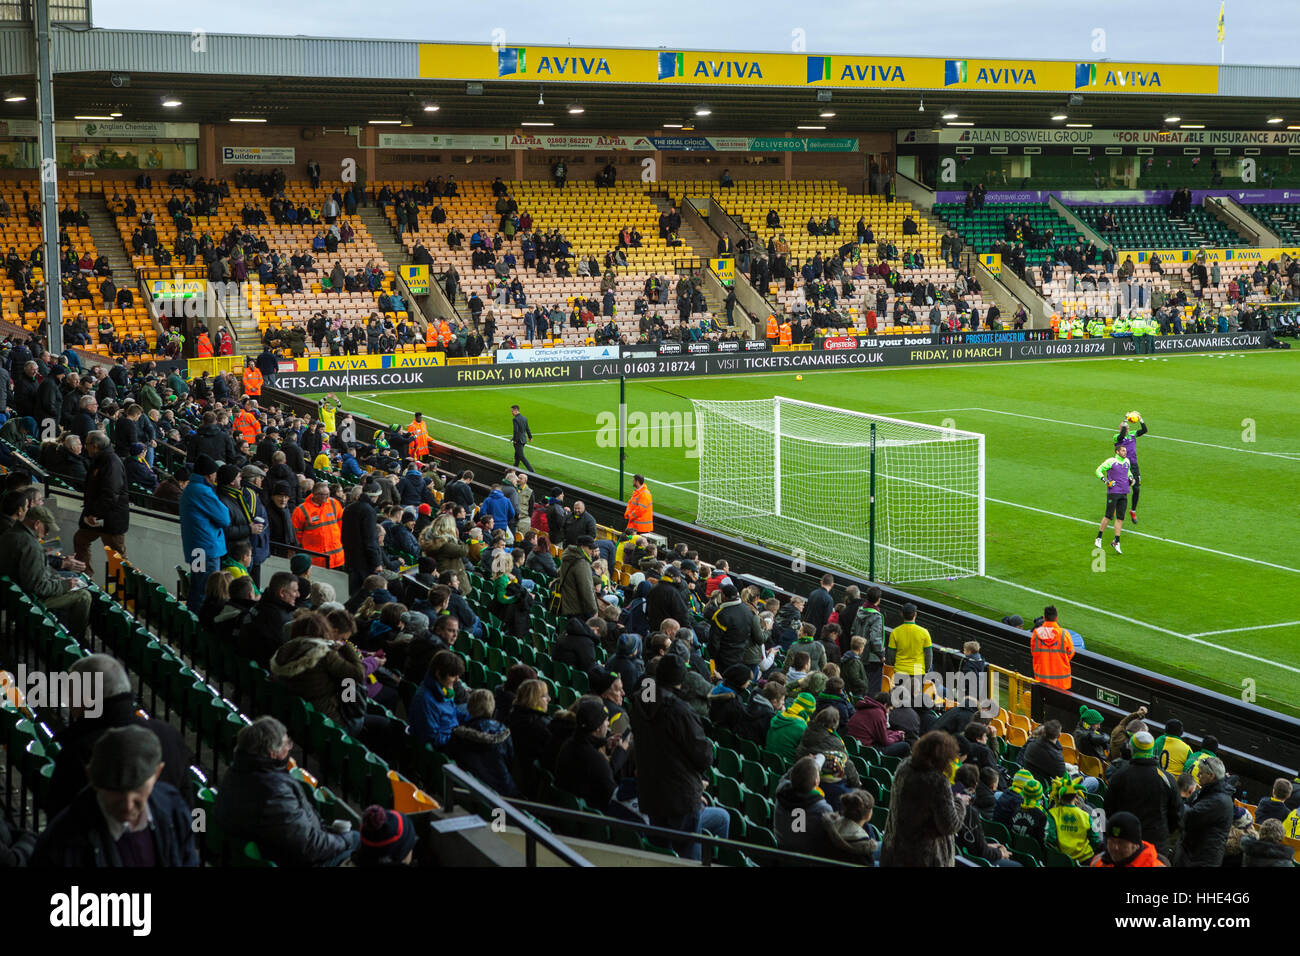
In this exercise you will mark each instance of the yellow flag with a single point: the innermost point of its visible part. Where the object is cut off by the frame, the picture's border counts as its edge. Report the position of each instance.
(1220, 21)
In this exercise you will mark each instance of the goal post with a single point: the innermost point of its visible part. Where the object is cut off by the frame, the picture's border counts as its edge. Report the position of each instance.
(889, 499)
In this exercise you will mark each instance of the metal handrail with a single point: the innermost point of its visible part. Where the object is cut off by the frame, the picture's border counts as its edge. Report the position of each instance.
(533, 832)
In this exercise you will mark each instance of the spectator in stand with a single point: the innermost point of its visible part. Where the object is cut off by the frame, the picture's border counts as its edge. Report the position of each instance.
(1269, 848)
(1124, 844)
(434, 713)
(106, 510)
(802, 810)
(924, 811)
(258, 800)
(1208, 818)
(1274, 806)
(127, 817)
(817, 609)
(911, 654)
(584, 764)
(1142, 788)
(1042, 755)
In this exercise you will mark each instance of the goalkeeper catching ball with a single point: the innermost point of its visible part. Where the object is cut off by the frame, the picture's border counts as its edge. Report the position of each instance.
(1127, 438)
(1114, 471)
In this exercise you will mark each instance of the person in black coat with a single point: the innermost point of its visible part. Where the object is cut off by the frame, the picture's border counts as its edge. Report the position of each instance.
(580, 524)
(1141, 787)
(672, 752)
(482, 745)
(1043, 757)
(576, 646)
(125, 765)
(530, 730)
(258, 800)
(557, 517)
(49, 398)
(460, 491)
(77, 740)
(106, 511)
(665, 600)
(279, 515)
(820, 604)
(1207, 819)
(264, 632)
(582, 767)
(360, 532)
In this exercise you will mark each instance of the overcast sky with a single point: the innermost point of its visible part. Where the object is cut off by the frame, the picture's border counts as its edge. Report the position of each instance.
(1257, 32)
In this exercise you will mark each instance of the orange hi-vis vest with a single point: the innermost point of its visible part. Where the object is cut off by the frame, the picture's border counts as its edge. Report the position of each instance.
(205, 346)
(252, 381)
(1052, 651)
(320, 528)
(1056, 324)
(771, 327)
(640, 512)
(247, 426)
(787, 333)
(444, 333)
(420, 433)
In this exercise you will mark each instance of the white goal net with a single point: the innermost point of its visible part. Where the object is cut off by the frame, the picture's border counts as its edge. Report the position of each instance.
(799, 476)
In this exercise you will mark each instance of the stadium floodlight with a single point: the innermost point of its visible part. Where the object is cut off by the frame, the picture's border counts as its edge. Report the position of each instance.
(810, 126)
(908, 497)
(1172, 119)
(1274, 120)
(703, 111)
(577, 110)
(1192, 126)
(85, 116)
(1079, 125)
(386, 122)
(431, 107)
(116, 114)
(15, 98)
(827, 114)
(950, 115)
(1059, 117)
(672, 125)
(171, 102)
(955, 123)
(248, 119)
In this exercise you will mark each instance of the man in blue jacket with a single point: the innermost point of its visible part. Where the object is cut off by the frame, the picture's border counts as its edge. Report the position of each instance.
(434, 713)
(499, 507)
(203, 522)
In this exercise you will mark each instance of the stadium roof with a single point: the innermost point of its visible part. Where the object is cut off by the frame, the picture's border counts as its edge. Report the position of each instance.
(308, 81)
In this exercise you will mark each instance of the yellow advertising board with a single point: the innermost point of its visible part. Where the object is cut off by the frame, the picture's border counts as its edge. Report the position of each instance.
(724, 268)
(416, 279)
(992, 261)
(349, 363)
(1240, 254)
(461, 61)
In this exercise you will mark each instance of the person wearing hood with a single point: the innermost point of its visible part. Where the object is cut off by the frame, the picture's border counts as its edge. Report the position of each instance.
(787, 727)
(411, 489)
(1142, 788)
(801, 809)
(667, 601)
(117, 708)
(673, 755)
(497, 506)
(870, 725)
(1029, 818)
(626, 661)
(258, 800)
(577, 645)
(850, 836)
(434, 713)
(482, 746)
(1124, 844)
(575, 583)
(729, 696)
(735, 635)
(315, 669)
(1268, 849)
(1208, 818)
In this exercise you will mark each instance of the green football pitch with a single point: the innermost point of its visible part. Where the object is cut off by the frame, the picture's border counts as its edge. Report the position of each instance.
(1206, 589)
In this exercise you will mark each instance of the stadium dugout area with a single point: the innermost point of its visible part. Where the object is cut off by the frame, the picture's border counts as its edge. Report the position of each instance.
(339, 637)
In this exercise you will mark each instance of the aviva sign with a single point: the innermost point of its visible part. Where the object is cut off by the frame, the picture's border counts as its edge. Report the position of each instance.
(705, 68)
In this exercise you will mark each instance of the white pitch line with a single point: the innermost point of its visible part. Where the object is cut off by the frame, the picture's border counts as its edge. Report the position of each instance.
(1153, 627)
(1288, 456)
(1238, 630)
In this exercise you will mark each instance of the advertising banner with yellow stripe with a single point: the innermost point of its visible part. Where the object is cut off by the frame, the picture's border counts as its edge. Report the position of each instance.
(1240, 254)
(347, 363)
(459, 61)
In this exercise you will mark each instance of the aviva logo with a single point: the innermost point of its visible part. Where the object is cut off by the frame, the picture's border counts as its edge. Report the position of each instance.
(671, 64)
(954, 72)
(674, 65)
(820, 68)
(511, 60)
(571, 65)
(1085, 74)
